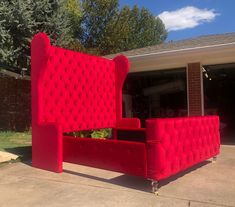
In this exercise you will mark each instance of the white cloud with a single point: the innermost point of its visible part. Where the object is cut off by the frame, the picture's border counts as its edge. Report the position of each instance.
(187, 17)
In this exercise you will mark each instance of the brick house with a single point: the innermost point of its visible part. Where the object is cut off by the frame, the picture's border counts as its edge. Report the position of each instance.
(193, 77)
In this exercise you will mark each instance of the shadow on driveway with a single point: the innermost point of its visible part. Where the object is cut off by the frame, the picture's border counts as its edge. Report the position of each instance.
(137, 183)
(128, 181)
(25, 153)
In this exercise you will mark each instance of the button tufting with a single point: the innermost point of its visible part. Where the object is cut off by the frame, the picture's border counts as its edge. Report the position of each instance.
(79, 90)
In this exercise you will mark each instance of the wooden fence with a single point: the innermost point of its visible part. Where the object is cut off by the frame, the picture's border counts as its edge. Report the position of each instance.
(15, 107)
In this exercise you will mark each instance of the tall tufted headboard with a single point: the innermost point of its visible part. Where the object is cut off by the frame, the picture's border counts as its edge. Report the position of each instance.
(75, 90)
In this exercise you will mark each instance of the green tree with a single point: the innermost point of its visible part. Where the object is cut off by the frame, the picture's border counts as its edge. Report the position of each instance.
(117, 33)
(73, 8)
(106, 29)
(145, 29)
(6, 42)
(19, 25)
(94, 26)
(96, 15)
(22, 19)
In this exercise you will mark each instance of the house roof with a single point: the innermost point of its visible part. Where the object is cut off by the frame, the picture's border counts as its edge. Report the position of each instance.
(201, 41)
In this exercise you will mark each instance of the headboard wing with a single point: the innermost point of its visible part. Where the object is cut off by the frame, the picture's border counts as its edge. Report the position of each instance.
(76, 90)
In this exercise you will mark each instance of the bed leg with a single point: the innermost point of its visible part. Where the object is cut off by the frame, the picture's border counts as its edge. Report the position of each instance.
(154, 184)
(214, 159)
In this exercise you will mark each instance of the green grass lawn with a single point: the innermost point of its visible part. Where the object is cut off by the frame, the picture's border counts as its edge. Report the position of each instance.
(18, 143)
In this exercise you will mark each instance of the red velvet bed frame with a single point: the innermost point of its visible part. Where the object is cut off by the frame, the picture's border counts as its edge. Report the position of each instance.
(72, 91)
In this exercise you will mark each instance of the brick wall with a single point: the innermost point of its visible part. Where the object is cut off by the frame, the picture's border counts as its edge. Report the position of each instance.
(194, 75)
(15, 107)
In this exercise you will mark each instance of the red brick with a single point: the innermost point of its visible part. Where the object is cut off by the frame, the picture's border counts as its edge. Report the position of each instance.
(194, 89)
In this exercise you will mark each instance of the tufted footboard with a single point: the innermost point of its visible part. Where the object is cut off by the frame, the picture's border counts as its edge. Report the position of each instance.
(175, 144)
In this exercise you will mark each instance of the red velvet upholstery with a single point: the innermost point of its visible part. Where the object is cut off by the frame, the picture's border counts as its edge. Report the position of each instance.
(47, 147)
(73, 91)
(76, 90)
(128, 123)
(174, 144)
(121, 156)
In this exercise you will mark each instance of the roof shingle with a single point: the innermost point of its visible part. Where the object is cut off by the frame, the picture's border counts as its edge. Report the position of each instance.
(201, 41)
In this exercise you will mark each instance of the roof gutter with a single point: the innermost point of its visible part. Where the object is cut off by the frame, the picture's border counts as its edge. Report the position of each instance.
(226, 45)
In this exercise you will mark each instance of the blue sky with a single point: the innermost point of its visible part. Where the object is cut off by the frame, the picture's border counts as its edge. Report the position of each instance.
(191, 18)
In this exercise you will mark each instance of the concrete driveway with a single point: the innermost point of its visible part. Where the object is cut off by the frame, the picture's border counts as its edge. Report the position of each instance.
(208, 185)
